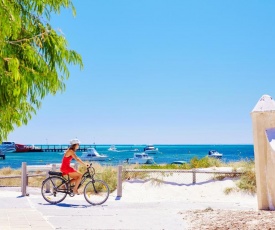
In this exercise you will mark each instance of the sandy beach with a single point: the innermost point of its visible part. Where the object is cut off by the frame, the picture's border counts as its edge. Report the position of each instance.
(172, 204)
(209, 206)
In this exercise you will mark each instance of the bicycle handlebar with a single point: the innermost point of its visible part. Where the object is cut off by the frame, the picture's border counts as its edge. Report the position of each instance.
(90, 168)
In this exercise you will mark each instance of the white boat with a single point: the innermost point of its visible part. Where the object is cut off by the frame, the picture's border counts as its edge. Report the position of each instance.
(92, 155)
(179, 162)
(150, 149)
(134, 149)
(214, 154)
(7, 146)
(140, 158)
(112, 148)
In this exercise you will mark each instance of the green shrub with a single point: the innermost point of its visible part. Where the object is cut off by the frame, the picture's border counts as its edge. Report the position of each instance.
(247, 180)
(105, 173)
(195, 162)
(204, 162)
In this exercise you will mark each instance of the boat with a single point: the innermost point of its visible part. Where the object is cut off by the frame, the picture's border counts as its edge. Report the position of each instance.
(214, 154)
(19, 148)
(179, 162)
(112, 148)
(150, 149)
(7, 146)
(133, 149)
(92, 155)
(140, 158)
(2, 155)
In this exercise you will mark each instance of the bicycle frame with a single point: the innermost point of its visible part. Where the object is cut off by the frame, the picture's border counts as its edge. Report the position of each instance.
(66, 178)
(56, 187)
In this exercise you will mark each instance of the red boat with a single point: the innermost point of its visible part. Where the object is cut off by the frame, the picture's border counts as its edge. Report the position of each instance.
(27, 148)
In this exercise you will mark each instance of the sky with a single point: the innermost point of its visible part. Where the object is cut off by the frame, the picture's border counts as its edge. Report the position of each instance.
(160, 72)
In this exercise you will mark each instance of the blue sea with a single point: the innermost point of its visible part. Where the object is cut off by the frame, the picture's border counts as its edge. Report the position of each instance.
(167, 154)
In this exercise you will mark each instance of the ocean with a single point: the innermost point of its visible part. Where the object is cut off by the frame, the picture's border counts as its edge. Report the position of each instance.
(167, 154)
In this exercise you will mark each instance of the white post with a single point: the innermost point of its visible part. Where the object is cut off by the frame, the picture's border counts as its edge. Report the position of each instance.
(263, 118)
(24, 179)
(119, 181)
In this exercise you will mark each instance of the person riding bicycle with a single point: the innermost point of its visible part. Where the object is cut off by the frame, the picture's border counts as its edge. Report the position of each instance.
(66, 169)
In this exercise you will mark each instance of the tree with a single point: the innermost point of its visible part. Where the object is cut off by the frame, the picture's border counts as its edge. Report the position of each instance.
(34, 59)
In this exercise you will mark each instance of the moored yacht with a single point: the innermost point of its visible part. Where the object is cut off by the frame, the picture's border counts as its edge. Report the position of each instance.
(150, 149)
(7, 146)
(112, 148)
(140, 158)
(27, 148)
(92, 155)
(214, 154)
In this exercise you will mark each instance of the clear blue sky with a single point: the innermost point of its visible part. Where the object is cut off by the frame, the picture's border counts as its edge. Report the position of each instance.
(161, 72)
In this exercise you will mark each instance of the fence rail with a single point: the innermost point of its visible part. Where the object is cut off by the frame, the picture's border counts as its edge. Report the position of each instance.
(121, 172)
(25, 175)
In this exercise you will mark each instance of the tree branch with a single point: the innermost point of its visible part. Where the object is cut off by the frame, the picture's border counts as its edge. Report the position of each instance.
(28, 39)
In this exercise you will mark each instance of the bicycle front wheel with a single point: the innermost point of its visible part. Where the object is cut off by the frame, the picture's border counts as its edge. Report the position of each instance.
(54, 189)
(96, 192)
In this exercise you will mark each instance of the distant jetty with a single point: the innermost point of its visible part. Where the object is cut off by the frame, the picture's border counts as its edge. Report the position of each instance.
(62, 148)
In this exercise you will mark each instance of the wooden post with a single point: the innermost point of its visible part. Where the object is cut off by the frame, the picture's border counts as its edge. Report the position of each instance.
(24, 179)
(263, 118)
(194, 176)
(48, 186)
(119, 181)
(76, 166)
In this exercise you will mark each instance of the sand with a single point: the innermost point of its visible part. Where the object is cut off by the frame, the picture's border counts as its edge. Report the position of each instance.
(203, 205)
(237, 210)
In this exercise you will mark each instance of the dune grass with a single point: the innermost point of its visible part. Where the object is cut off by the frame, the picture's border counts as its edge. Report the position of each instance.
(7, 171)
(15, 182)
(246, 182)
(106, 173)
(195, 162)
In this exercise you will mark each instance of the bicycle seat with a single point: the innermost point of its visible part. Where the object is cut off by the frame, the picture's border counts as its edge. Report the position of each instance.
(55, 173)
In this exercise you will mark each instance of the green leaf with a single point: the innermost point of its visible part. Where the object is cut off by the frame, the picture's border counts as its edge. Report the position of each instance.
(34, 59)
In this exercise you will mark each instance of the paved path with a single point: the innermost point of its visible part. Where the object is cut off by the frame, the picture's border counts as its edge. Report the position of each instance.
(33, 212)
(18, 212)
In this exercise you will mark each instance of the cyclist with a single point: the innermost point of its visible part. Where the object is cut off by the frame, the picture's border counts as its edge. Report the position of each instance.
(67, 169)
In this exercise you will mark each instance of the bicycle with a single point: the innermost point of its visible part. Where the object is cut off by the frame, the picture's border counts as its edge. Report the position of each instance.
(56, 187)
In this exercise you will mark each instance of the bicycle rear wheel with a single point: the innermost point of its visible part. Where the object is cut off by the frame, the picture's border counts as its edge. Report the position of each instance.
(54, 189)
(96, 192)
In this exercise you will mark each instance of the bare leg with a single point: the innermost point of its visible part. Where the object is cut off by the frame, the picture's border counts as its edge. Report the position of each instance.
(72, 181)
(76, 178)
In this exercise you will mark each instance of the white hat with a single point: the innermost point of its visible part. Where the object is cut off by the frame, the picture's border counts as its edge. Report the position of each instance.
(74, 141)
